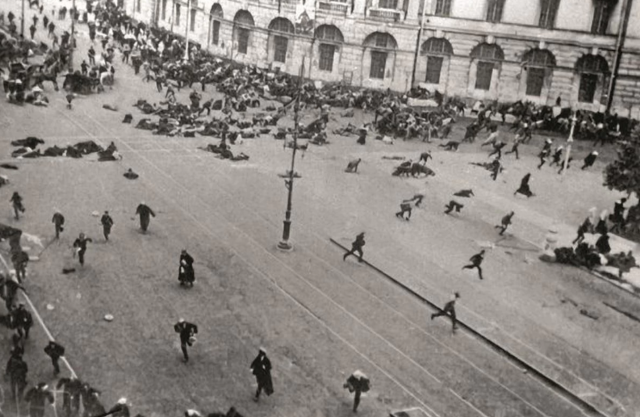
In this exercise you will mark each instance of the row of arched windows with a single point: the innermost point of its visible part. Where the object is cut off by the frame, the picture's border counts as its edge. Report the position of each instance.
(487, 57)
(538, 64)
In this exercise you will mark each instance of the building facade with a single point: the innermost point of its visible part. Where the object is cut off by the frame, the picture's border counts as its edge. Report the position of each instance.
(505, 50)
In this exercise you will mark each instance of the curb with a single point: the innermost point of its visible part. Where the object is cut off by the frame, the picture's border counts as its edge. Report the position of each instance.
(584, 405)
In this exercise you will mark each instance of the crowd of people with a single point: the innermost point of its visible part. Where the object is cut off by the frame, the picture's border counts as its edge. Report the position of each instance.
(158, 56)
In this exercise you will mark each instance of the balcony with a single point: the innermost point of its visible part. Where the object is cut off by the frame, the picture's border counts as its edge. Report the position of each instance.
(386, 14)
(334, 7)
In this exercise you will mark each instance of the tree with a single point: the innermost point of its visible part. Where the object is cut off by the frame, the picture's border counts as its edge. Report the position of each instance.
(623, 175)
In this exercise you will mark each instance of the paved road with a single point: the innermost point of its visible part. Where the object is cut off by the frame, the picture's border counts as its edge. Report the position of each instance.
(319, 317)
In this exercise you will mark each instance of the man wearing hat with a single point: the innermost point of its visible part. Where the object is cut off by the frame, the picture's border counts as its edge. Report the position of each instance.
(261, 368)
(37, 397)
(589, 160)
(121, 409)
(80, 245)
(58, 222)
(107, 223)
(17, 370)
(23, 320)
(145, 214)
(186, 274)
(54, 351)
(187, 333)
(359, 383)
(73, 390)
(449, 309)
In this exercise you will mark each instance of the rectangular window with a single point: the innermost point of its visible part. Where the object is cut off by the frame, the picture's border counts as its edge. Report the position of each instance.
(138, 5)
(177, 15)
(548, 11)
(434, 67)
(483, 75)
(588, 83)
(378, 64)
(192, 23)
(601, 15)
(281, 44)
(535, 81)
(164, 9)
(243, 40)
(443, 7)
(327, 53)
(388, 4)
(215, 32)
(494, 11)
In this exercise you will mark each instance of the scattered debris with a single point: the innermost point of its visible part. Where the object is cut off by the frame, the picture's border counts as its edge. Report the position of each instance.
(68, 270)
(108, 317)
(50, 307)
(591, 314)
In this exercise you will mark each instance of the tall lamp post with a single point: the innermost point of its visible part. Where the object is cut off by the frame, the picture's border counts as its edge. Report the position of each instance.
(285, 244)
(569, 142)
(186, 31)
(72, 40)
(22, 21)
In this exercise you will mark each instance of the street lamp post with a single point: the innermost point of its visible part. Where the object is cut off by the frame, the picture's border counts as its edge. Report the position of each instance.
(285, 244)
(186, 31)
(569, 142)
(72, 39)
(22, 21)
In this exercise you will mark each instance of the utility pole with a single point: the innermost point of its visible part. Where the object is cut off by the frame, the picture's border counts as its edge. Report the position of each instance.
(72, 39)
(284, 244)
(186, 31)
(569, 142)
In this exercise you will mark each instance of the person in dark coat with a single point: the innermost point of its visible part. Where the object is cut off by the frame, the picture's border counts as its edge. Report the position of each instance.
(16, 202)
(22, 320)
(145, 214)
(8, 290)
(453, 205)
(20, 260)
(55, 351)
(72, 391)
(37, 398)
(504, 224)
(261, 368)
(121, 409)
(58, 222)
(449, 309)
(17, 370)
(476, 261)
(187, 333)
(356, 246)
(81, 246)
(524, 188)
(589, 160)
(602, 244)
(107, 223)
(358, 383)
(186, 274)
(91, 401)
(585, 227)
(405, 207)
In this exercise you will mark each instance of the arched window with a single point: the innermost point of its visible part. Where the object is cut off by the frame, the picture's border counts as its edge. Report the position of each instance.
(330, 39)
(281, 42)
(242, 25)
(538, 64)
(437, 51)
(215, 20)
(548, 12)
(381, 44)
(489, 57)
(591, 68)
